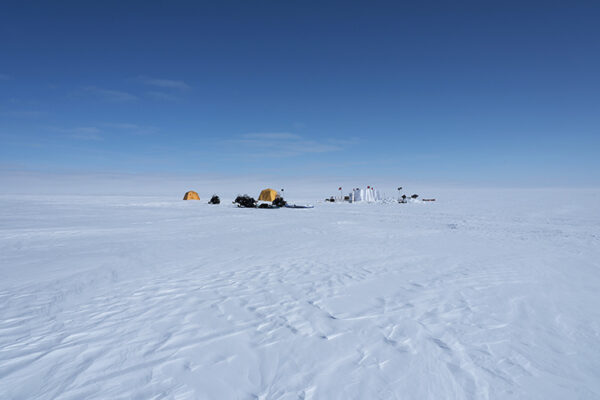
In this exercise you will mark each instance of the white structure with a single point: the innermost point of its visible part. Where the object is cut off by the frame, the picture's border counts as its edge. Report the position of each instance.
(369, 195)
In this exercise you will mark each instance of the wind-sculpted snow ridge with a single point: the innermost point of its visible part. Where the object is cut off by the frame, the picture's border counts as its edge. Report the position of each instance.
(123, 298)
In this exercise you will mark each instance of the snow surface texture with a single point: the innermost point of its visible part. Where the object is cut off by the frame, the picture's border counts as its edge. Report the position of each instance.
(478, 295)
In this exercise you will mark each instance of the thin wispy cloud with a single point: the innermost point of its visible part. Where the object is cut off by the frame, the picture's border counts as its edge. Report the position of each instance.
(81, 133)
(133, 129)
(164, 83)
(284, 144)
(272, 136)
(104, 131)
(110, 95)
(164, 89)
(122, 125)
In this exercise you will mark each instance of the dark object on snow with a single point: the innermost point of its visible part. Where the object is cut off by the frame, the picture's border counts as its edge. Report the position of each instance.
(267, 205)
(428, 199)
(245, 201)
(414, 196)
(279, 202)
(214, 200)
(346, 198)
(331, 199)
(403, 199)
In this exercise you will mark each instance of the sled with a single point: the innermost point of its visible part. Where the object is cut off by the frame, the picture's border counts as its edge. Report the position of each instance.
(299, 206)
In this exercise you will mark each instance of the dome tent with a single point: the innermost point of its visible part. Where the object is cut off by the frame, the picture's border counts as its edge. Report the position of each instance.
(267, 195)
(191, 195)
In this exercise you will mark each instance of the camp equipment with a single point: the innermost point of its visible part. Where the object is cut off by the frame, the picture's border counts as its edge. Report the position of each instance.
(245, 201)
(299, 206)
(279, 202)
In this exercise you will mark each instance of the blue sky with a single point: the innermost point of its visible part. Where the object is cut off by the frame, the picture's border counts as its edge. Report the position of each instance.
(469, 92)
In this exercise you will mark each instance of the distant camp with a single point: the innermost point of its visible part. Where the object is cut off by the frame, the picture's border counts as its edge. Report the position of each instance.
(191, 195)
(270, 198)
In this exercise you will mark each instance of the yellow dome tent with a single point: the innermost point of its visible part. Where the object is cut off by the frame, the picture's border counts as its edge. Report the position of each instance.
(267, 195)
(191, 195)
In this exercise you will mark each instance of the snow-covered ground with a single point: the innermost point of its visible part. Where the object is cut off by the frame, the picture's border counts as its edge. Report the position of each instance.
(482, 294)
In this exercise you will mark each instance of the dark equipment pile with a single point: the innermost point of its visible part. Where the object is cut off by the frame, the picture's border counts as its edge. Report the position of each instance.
(245, 201)
(279, 202)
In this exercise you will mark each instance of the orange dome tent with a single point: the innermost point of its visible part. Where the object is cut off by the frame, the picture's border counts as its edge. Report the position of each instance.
(267, 195)
(191, 195)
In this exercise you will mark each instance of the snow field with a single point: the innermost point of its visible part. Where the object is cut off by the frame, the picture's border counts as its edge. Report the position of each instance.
(152, 298)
